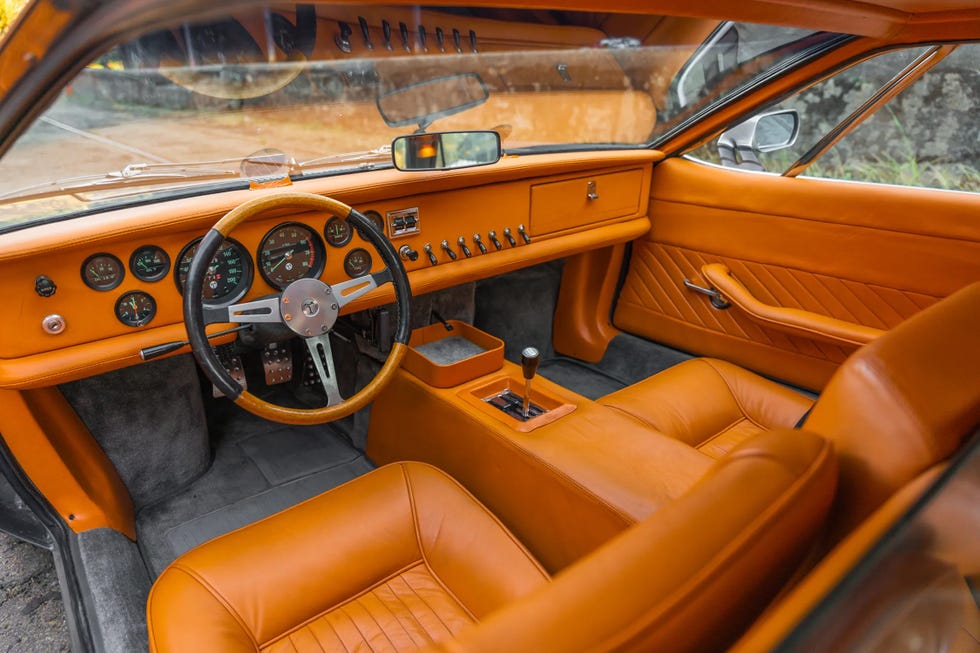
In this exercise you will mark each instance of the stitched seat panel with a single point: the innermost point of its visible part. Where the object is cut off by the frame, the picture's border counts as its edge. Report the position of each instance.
(404, 613)
(720, 444)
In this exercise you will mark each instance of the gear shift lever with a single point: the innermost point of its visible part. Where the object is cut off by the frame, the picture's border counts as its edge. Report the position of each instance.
(530, 357)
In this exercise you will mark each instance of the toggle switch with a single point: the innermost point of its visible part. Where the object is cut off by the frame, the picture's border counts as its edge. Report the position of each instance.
(479, 243)
(509, 237)
(523, 232)
(462, 246)
(493, 239)
(449, 250)
(432, 257)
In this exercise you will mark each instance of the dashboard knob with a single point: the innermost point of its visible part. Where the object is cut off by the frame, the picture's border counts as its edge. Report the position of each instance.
(407, 253)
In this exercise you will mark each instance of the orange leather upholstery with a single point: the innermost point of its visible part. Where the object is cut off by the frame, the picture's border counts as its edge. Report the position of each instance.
(396, 559)
(402, 557)
(901, 404)
(710, 404)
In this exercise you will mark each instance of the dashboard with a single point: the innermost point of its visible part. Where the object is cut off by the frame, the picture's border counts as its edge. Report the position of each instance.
(86, 295)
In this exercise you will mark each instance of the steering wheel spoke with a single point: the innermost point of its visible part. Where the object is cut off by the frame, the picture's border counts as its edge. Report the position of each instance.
(348, 291)
(259, 310)
(321, 352)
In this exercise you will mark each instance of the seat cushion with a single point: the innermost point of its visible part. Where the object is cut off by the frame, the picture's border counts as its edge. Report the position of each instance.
(394, 560)
(710, 404)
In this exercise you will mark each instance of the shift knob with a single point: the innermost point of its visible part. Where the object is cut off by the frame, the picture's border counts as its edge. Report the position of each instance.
(530, 357)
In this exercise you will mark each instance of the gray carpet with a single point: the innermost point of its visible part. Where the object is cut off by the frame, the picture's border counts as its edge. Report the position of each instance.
(259, 469)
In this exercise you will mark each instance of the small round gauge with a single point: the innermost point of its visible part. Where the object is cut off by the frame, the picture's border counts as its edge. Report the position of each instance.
(376, 218)
(289, 252)
(135, 308)
(102, 272)
(338, 232)
(149, 263)
(357, 262)
(228, 277)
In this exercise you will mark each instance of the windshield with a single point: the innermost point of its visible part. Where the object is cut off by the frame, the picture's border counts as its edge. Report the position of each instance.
(325, 89)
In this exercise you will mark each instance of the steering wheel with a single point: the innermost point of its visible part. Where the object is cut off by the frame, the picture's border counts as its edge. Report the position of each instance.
(307, 307)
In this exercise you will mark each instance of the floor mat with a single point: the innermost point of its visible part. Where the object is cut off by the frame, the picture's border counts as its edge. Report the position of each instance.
(270, 468)
(579, 377)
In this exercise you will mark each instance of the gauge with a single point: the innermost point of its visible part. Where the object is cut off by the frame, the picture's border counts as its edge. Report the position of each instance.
(102, 272)
(149, 263)
(338, 232)
(357, 262)
(376, 218)
(289, 252)
(135, 308)
(227, 278)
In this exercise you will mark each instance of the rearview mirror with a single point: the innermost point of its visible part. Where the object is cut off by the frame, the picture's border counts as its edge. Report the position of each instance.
(420, 104)
(444, 150)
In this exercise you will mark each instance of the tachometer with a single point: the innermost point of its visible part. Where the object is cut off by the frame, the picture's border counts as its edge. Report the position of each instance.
(227, 278)
(135, 308)
(289, 252)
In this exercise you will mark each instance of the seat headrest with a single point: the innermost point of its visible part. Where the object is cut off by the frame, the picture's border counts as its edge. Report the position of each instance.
(902, 403)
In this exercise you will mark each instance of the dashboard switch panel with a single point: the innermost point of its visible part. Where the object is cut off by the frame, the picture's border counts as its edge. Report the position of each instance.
(403, 222)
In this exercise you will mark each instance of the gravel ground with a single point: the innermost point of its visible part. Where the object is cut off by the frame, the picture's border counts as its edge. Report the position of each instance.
(32, 618)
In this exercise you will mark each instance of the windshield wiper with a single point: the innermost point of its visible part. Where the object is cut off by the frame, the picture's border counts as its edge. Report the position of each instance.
(134, 174)
(363, 158)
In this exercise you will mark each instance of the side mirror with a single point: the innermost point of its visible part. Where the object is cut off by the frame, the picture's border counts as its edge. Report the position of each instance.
(445, 150)
(766, 132)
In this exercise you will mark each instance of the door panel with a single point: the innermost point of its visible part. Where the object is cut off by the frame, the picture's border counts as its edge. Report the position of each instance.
(871, 255)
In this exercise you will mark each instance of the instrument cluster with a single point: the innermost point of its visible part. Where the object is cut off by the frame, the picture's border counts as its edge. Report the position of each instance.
(286, 253)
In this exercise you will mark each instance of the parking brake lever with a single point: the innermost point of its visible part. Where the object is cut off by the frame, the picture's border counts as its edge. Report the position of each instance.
(530, 357)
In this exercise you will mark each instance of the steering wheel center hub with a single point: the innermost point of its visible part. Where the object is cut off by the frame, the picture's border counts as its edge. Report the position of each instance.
(309, 307)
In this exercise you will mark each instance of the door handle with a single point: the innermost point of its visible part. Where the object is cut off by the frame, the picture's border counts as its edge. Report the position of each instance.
(714, 296)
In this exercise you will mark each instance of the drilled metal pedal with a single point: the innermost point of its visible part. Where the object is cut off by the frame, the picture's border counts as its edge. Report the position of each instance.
(277, 363)
(233, 365)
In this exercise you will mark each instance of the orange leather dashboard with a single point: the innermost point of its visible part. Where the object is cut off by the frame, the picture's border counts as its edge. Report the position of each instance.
(448, 205)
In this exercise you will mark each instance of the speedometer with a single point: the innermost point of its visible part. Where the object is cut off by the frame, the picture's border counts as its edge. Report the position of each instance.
(227, 278)
(289, 252)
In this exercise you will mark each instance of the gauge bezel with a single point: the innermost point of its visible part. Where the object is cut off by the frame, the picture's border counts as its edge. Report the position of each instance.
(347, 262)
(240, 291)
(319, 252)
(376, 218)
(350, 232)
(94, 286)
(138, 323)
(149, 278)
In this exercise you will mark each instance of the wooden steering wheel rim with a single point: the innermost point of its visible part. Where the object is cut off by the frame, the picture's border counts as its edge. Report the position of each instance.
(194, 311)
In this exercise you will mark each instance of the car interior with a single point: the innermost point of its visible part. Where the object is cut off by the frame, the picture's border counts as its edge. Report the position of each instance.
(610, 398)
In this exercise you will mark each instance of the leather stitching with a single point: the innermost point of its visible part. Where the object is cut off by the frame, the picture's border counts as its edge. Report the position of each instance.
(220, 599)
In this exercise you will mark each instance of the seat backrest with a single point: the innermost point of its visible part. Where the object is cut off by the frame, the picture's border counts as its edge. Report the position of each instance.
(900, 404)
(691, 576)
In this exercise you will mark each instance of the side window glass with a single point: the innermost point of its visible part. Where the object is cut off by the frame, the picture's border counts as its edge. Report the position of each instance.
(818, 109)
(928, 136)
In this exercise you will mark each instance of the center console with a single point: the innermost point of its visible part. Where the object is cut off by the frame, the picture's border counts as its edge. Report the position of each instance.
(565, 479)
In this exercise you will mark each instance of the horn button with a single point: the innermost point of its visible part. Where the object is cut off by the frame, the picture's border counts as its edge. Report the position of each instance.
(309, 307)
